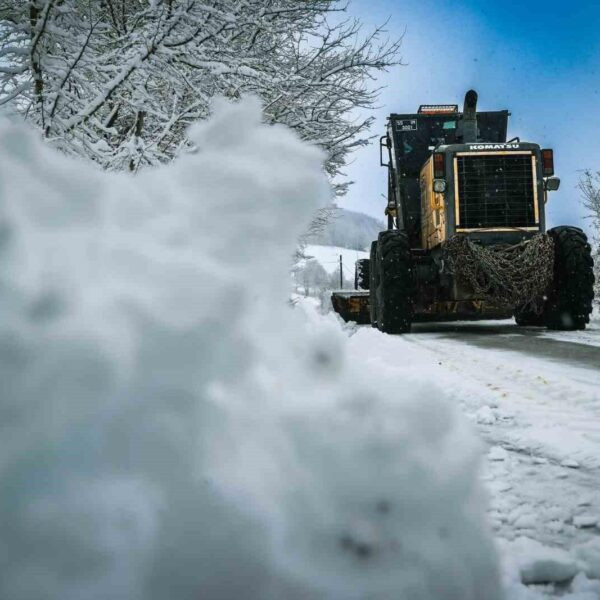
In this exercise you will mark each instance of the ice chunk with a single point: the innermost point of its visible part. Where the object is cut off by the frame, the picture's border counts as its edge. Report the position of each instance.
(541, 564)
(585, 520)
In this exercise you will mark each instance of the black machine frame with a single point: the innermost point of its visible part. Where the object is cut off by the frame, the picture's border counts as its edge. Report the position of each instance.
(410, 140)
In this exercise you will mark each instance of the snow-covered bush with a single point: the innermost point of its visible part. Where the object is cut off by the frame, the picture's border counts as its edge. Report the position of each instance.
(172, 429)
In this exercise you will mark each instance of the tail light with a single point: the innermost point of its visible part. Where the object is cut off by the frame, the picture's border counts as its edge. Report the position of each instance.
(547, 162)
(439, 168)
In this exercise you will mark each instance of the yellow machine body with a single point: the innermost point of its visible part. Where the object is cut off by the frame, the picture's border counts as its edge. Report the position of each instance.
(433, 210)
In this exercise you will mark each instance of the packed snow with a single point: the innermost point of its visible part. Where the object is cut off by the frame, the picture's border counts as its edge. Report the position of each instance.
(172, 428)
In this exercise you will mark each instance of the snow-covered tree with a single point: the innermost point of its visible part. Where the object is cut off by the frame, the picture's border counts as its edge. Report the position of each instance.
(589, 184)
(313, 278)
(120, 81)
(348, 229)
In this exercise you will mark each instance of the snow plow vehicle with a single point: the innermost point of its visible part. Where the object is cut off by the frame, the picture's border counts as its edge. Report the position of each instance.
(466, 237)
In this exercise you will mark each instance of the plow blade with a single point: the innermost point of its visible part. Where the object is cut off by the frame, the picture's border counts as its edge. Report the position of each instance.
(352, 305)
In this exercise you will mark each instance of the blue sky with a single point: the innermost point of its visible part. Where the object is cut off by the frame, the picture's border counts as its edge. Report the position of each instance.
(538, 59)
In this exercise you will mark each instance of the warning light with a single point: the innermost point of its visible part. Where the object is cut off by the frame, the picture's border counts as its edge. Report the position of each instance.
(439, 171)
(437, 109)
(547, 162)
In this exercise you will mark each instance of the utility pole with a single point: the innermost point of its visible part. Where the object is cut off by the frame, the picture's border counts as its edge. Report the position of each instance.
(341, 274)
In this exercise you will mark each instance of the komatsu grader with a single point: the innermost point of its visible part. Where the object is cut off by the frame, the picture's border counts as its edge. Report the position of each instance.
(466, 237)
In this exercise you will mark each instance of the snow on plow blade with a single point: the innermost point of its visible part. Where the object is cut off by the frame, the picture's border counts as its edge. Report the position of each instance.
(352, 305)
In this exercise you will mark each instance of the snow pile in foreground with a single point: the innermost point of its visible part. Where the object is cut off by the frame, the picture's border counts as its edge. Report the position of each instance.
(171, 429)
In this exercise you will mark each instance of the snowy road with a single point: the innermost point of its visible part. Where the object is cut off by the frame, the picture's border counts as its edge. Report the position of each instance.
(535, 392)
(534, 397)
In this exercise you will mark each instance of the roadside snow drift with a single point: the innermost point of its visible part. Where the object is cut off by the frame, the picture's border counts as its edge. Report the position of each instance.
(170, 428)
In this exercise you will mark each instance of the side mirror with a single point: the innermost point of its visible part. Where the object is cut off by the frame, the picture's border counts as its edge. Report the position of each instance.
(384, 142)
(552, 184)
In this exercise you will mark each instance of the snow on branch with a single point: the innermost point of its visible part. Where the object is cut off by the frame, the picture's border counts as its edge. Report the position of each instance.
(85, 71)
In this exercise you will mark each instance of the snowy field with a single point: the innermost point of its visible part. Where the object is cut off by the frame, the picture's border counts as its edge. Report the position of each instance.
(534, 398)
(329, 258)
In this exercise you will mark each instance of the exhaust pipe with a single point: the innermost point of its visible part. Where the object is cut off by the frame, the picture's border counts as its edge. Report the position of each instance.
(469, 120)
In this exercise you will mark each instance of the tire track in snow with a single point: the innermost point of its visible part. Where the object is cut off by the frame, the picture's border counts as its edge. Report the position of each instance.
(535, 405)
(542, 419)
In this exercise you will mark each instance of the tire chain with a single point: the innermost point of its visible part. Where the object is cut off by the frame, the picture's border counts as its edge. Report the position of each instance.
(509, 276)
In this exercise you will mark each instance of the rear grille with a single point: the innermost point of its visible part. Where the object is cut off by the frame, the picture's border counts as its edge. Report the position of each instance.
(495, 190)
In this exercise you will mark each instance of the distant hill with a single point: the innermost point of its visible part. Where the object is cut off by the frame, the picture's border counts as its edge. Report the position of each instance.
(349, 229)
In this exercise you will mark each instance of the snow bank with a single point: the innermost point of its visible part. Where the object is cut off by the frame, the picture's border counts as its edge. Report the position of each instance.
(171, 429)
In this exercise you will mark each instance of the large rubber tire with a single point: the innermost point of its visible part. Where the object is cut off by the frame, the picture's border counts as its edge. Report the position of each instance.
(528, 318)
(373, 283)
(570, 297)
(361, 274)
(394, 295)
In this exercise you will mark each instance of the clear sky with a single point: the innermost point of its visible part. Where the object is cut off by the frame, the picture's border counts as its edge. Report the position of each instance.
(540, 59)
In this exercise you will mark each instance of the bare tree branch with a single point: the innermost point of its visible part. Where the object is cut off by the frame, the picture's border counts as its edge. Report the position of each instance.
(589, 185)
